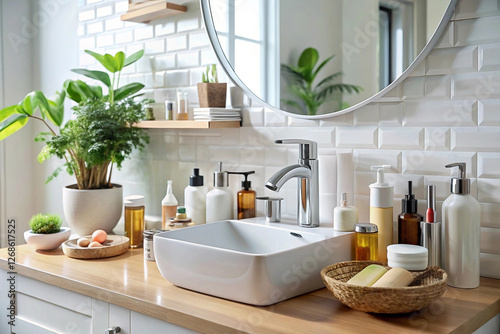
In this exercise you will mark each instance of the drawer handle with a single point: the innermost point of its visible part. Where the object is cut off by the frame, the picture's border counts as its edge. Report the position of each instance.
(113, 330)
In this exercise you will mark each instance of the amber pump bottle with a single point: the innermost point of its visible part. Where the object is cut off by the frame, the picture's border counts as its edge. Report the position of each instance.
(245, 197)
(409, 219)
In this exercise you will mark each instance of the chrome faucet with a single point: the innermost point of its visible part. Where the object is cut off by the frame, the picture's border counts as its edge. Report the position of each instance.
(306, 171)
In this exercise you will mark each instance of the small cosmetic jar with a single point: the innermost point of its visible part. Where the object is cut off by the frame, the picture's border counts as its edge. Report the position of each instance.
(409, 257)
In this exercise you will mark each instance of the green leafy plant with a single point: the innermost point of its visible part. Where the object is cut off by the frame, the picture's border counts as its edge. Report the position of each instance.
(45, 224)
(210, 74)
(302, 86)
(102, 133)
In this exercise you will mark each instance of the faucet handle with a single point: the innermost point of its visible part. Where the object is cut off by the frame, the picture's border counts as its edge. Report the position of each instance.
(308, 149)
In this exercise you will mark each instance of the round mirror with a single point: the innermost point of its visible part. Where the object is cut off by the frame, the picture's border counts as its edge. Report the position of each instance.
(320, 58)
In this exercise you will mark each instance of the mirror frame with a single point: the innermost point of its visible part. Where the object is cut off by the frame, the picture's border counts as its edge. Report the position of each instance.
(228, 69)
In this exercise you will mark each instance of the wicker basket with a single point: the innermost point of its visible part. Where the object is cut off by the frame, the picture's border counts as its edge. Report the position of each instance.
(427, 287)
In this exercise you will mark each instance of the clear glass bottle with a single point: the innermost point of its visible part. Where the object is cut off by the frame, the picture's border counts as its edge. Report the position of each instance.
(168, 206)
(366, 241)
(182, 105)
(134, 219)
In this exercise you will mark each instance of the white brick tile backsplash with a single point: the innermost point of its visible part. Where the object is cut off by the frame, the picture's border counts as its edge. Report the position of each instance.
(413, 88)
(489, 215)
(80, 30)
(438, 87)
(490, 265)
(165, 28)
(177, 78)
(188, 59)
(104, 40)
(208, 57)
(442, 184)
(474, 9)
(433, 162)
(90, 2)
(253, 117)
(400, 183)
(390, 114)
(176, 43)
(276, 156)
(155, 46)
(440, 113)
(198, 40)
(477, 31)
(121, 6)
(447, 38)
(484, 85)
(485, 139)
(488, 112)
(86, 15)
(187, 24)
(364, 159)
(367, 115)
(394, 138)
(273, 118)
(124, 37)
(94, 28)
(437, 139)
(166, 62)
(452, 60)
(356, 137)
(104, 11)
(299, 122)
(340, 120)
(488, 165)
(113, 24)
(393, 95)
(488, 190)
(489, 242)
(488, 57)
(143, 33)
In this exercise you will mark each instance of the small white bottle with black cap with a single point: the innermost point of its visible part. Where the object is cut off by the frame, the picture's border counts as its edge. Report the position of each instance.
(195, 198)
(461, 232)
(219, 199)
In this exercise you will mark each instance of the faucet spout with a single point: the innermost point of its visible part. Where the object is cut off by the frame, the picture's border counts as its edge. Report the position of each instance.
(276, 181)
(306, 172)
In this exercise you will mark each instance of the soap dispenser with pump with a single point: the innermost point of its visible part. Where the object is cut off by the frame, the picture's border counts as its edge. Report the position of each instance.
(219, 204)
(195, 198)
(461, 232)
(245, 197)
(381, 210)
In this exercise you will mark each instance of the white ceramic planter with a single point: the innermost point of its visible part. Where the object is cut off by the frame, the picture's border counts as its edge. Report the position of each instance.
(47, 241)
(90, 210)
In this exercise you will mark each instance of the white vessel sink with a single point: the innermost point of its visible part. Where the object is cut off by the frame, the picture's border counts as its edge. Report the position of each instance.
(249, 261)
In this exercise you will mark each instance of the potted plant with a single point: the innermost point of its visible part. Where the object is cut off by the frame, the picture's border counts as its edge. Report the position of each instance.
(46, 232)
(100, 136)
(301, 79)
(211, 93)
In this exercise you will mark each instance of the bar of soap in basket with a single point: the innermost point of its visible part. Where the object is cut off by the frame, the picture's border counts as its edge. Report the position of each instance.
(368, 276)
(394, 278)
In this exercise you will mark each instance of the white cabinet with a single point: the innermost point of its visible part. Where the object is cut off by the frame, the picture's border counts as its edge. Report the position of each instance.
(44, 308)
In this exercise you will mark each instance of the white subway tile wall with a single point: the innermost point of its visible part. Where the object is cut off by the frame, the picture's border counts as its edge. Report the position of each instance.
(447, 110)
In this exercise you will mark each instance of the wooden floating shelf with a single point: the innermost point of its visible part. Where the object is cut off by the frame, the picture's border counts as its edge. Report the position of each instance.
(188, 124)
(146, 11)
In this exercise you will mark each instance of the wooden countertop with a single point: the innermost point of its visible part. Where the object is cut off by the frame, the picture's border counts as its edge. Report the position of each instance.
(129, 281)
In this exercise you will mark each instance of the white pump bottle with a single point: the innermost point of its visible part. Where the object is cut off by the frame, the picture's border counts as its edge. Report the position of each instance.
(461, 231)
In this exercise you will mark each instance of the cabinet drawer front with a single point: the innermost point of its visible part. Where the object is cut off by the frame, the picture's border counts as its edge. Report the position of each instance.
(24, 326)
(55, 295)
(50, 316)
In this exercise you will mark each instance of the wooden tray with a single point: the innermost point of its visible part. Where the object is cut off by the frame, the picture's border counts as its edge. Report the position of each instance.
(114, 245)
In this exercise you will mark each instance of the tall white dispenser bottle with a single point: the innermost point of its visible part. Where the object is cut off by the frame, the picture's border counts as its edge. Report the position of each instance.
(195, 198)
(219, 199)
(461, 232)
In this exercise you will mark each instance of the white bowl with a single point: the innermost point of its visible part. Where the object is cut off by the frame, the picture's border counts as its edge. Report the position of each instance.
(47, 241)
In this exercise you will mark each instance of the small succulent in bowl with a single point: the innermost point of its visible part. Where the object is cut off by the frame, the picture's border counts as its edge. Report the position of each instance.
(46, 232)
(45, 224)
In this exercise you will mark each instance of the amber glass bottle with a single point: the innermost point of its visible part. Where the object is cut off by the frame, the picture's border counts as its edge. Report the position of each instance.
(409, 220)
(245, 197)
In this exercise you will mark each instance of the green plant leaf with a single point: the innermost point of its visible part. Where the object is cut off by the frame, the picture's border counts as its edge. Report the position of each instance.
(44, 154)
(133, 58)
(96, 91)
(11, 125)
(72, 91)
(79, 91)
(307, 60)
(127, 90)
(29, 103)
(97, 75)
(105, 61)
(321, 66)
(7, 112)
(49, 108)
(119, 60)
(110, 63)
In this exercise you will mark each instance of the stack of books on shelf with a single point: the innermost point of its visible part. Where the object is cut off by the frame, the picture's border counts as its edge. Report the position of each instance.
(216, 114)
